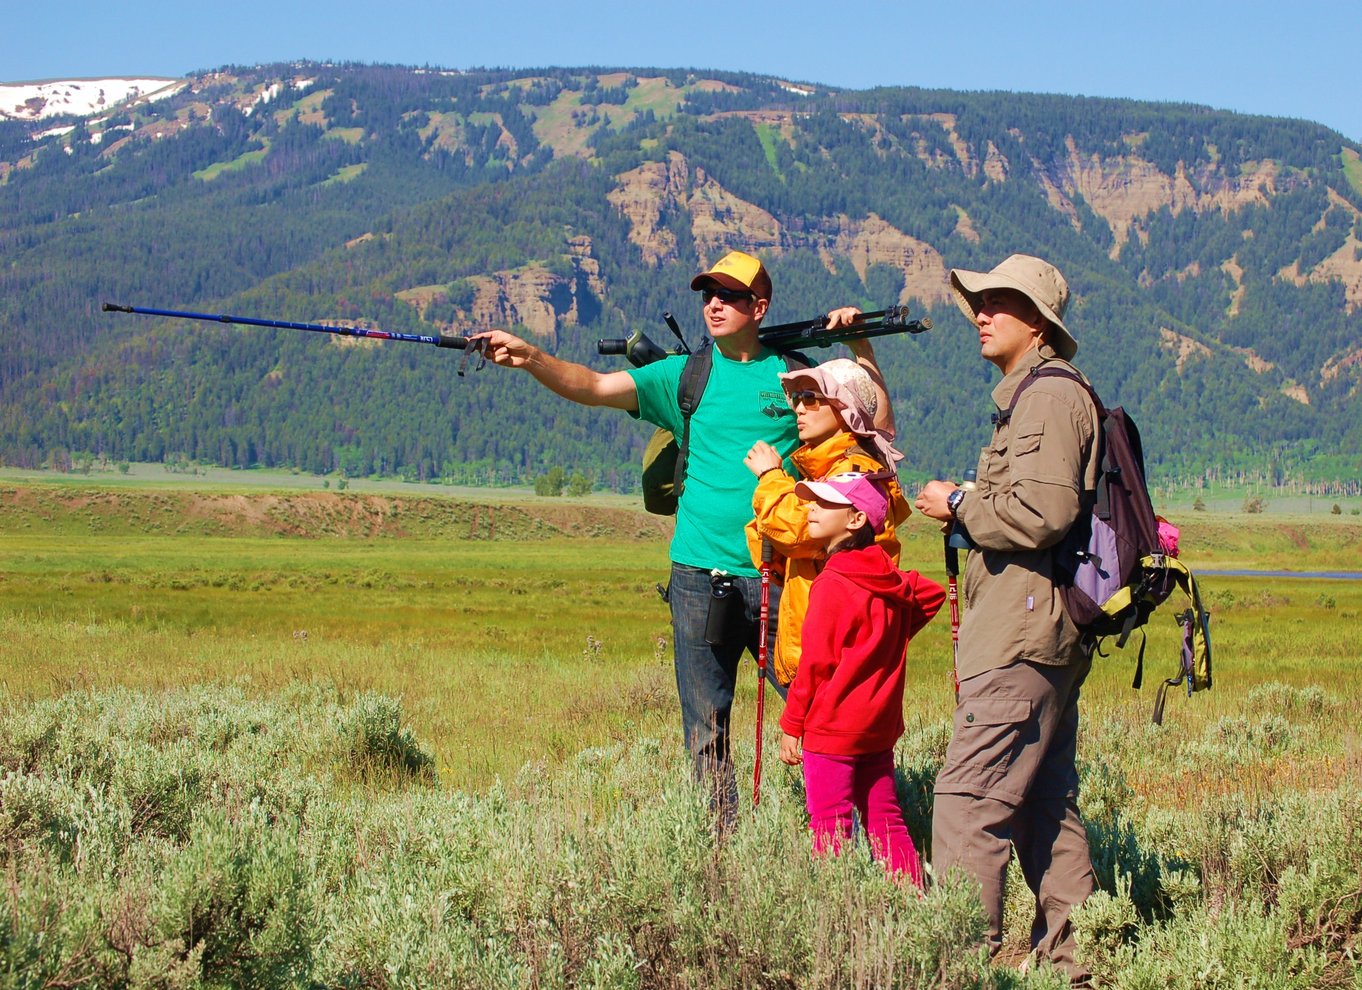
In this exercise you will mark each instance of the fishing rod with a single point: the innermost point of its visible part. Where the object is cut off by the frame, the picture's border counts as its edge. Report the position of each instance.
(442, 339)
(641, 350)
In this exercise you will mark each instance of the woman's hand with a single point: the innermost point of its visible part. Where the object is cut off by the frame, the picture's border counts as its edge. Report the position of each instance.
(762, 458)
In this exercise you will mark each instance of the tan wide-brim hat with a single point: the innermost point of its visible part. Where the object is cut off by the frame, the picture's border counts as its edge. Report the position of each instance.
(1037, 280)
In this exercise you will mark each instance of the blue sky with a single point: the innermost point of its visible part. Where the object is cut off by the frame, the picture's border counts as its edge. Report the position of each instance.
(1289, 59)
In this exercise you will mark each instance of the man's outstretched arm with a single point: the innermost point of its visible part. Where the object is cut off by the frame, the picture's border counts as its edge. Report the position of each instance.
(572, 381)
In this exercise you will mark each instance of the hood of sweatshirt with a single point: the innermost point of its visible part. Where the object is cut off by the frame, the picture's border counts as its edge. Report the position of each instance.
(870, 569)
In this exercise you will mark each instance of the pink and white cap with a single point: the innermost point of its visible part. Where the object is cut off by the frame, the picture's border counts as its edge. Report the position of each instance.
(853, 489)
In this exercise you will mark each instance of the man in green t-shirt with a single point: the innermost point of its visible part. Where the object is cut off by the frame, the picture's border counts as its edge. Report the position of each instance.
(742, 403)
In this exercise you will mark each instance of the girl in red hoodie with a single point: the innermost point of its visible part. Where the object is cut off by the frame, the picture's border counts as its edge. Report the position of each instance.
(845, 708)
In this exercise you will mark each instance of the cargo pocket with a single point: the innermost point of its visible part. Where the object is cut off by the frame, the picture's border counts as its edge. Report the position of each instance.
(988, 735)
(1029, 436)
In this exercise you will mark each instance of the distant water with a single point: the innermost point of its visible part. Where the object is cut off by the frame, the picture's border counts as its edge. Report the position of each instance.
(1324, 575)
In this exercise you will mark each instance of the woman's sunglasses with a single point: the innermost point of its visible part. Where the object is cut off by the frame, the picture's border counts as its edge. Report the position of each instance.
(807, 399)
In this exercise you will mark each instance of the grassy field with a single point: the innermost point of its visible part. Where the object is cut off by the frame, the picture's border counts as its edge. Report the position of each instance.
(507, 639)
(516, 628)
(254, 732)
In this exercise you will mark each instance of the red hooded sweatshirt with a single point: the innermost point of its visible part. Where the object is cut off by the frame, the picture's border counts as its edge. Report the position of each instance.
(847, 697)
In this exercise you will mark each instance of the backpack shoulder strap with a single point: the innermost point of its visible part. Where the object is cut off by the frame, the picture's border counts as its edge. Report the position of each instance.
(864, 461)
(694, 378)
(1045, 370)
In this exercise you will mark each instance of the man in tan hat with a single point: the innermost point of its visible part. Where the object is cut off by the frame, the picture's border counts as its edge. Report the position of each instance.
(1009, 778)
(743, 402)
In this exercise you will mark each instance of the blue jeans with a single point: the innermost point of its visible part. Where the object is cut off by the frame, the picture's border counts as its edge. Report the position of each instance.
(706, 674)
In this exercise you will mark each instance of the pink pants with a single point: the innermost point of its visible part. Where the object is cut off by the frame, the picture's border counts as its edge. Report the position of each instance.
(837, 784)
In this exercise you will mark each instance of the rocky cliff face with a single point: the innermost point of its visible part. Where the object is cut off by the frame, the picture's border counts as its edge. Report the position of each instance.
(1123, 191)
(873, 241)
(720, 221)
(1126, 189)
(535, 297)
(541, 300)
(642, 194)
(532, 296)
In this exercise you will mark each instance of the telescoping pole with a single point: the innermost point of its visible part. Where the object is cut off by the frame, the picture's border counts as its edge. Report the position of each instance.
(763, 627)
(957, 539)
(457, 341)
(953, 597)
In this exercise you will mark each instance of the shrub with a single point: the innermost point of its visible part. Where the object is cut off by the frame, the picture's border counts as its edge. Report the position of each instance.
(378, 743)
(206, 838)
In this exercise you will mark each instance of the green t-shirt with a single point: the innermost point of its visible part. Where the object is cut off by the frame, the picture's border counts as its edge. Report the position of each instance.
(742, 403)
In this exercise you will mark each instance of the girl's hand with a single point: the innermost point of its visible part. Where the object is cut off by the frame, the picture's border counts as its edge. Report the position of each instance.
(790, 750)
(762, 458)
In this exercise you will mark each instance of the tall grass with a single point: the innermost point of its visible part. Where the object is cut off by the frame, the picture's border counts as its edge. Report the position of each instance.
(420, 759)
(205, 838)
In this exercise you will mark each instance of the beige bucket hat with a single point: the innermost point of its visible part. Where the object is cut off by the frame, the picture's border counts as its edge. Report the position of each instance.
(1034, 278)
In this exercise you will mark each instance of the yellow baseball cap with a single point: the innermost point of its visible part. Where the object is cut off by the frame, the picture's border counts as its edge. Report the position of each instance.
(739, 272)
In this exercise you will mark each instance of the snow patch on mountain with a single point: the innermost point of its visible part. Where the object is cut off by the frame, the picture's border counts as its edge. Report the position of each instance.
(82, 97)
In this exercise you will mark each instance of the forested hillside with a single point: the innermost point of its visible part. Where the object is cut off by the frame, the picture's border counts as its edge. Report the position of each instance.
(1216, 261)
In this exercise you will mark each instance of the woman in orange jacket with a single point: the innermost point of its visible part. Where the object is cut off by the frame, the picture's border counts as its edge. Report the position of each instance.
(835, 405)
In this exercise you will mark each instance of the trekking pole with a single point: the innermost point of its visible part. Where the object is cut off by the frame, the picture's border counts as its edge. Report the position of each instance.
(442, 339)
(953, 597)
(957, 539)
(763, 626)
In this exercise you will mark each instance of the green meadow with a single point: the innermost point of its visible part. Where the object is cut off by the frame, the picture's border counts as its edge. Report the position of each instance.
(512, 630)
(429, 738)
(506, 638)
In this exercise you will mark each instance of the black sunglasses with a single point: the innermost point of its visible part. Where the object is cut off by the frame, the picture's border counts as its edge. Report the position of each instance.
(809, 400)
(729, 297)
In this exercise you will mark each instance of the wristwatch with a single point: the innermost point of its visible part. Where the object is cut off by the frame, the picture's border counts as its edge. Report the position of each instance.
(953, 501)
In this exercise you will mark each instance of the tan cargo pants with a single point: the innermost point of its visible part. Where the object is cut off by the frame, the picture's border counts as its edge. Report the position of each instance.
(1010, 781)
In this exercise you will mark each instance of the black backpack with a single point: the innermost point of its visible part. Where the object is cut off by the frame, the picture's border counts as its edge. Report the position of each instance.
(664, 459)
(1110, 568)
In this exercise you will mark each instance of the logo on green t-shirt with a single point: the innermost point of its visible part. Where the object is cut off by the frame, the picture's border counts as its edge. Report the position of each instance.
(773, 404)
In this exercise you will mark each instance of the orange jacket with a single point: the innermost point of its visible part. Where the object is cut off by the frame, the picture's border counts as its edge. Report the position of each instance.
(782, 518)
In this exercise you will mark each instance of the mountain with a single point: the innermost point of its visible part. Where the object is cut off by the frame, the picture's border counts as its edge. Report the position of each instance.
(78, 97)
(1216, 260)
